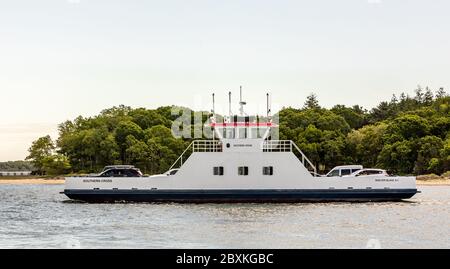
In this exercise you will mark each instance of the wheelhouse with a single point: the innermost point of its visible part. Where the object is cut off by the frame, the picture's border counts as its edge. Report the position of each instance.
(242, 130)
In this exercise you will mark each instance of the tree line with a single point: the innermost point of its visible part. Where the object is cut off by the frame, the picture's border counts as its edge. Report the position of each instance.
(406, 135)
(16, 166)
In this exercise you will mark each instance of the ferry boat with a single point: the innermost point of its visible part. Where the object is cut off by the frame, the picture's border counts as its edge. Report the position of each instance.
(241, 164)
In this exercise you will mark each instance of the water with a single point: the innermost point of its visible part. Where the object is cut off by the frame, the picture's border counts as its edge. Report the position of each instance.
(37, 216)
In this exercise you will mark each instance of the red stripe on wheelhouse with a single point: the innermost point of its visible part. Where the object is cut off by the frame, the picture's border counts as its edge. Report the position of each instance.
(243, 124)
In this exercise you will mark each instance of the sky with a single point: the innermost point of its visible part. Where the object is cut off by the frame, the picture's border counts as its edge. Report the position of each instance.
(64, 58)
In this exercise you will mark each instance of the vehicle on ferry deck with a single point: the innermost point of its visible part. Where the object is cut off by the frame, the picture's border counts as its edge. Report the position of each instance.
(344, 170)
(120, 171)
(369, 172)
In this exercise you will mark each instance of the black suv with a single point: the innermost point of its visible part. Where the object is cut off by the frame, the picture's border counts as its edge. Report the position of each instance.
(121, 171)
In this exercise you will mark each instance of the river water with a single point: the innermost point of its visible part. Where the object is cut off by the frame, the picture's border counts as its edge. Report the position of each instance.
(37, 216)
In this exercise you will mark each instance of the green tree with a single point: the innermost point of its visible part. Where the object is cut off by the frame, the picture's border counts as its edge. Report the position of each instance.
(364, 145)
(398, 157)
(428, 97)
(419, 94)
(40, 149)
(445, 154)
(428, 155)
(124, 129)
(382, 112)
(56, 165)
(406, 127)
(164, 148)
(138, 153)
(16, 166)
(441, 93)
(147, 118)
(355, 116)
(311, 102)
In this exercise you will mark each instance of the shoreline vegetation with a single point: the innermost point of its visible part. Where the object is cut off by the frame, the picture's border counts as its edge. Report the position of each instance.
(424, 180)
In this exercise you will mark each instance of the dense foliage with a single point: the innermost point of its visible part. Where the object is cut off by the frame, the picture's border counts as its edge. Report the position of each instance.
(16, 166)
(407, 135)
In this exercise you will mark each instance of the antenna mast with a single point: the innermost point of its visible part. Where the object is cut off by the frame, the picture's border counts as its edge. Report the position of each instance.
(214, 105)
(242, 103)
(214, 115)
(269, 108)
(229, 105)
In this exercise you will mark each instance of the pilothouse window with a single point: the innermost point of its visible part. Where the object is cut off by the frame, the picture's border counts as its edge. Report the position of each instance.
(257, 133)
(242, 133)
(229, 133)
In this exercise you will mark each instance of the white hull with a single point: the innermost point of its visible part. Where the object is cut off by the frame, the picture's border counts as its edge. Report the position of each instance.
(195, 182)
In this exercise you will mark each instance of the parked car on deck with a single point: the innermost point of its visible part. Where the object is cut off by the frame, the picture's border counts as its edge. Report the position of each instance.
(369, 172)
(121, 171)
(344, 170)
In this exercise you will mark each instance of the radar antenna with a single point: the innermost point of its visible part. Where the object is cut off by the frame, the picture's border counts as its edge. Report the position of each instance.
(242, 104)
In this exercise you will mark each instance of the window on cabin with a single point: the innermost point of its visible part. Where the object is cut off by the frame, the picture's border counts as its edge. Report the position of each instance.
(218, 170)
(230, 133)
(242, 133)
(256, 133)
(268, 170)
(261, 132)
(243, 171)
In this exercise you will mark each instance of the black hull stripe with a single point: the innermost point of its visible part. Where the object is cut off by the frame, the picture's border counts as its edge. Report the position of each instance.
(239, 196)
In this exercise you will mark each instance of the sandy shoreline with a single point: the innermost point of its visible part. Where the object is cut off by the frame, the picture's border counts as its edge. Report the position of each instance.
(60, 181)
(441, 182)
(31, 181)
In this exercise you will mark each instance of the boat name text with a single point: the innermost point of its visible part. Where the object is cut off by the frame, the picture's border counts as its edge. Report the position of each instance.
(243, 145)
(97, 180)
(386, 179)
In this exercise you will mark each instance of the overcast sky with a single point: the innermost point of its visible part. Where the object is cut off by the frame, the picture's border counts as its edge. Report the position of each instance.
(64, 58)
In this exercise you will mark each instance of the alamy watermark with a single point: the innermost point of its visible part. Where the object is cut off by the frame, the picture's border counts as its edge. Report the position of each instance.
(200, 124)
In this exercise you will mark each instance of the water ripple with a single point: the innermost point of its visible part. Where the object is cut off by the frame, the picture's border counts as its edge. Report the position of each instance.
(35, 216)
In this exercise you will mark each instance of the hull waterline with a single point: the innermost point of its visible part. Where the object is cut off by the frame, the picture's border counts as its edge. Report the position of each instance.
(239, 196)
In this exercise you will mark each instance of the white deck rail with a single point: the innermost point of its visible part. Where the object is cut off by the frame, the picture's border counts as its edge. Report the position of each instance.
(207, 146)
(288, 146)
(268, 146)
(198, 146)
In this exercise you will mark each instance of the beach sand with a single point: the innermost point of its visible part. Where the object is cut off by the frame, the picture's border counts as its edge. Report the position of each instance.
(434, 182)
(31, 181)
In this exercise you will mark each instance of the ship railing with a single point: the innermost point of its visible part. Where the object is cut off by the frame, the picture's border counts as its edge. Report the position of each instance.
(289, 146)
(198, 146)
(207, 146)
